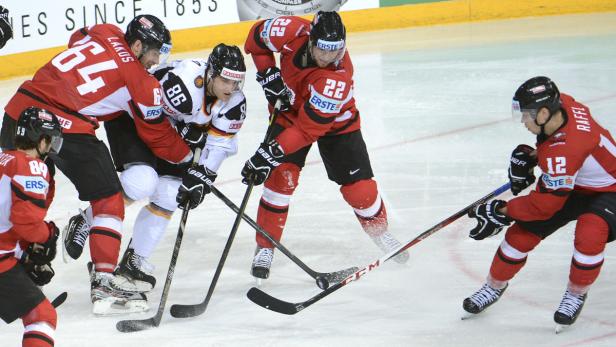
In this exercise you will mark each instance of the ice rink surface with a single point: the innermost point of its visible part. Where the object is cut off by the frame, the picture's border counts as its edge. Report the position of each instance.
(435, 105)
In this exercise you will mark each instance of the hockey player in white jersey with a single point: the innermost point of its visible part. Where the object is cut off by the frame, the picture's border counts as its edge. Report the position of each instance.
(204, 100)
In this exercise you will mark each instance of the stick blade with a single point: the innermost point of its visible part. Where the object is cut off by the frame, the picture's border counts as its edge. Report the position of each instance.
(133, 325)
(59, 300)
(271, 303)
(187, 311)
(339, 276)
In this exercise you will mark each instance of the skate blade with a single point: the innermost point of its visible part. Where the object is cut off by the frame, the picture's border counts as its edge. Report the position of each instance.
(65, 257)
(467, 315)
(560, 328)
(113, 307)
(402, 258)
(258, 282)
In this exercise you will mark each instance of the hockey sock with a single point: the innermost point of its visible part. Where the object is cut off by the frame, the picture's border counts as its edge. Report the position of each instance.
(512, 253)
(40, 326)
(591, 234)
(272, 218)
(368, 206)
(150, 226)
(89, 216)
(105, 232)
(274, 204)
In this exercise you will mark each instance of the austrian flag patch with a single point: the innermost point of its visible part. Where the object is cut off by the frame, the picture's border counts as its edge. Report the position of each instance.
(232, 75)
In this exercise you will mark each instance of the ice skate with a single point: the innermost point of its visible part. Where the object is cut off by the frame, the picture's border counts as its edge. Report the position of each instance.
(261, 263)
(136, 270)
(75, 235)
(387, 243)
(569, 309)
(481, 299)
(108, 300)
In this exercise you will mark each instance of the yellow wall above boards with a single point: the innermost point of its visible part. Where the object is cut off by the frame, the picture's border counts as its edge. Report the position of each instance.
(442, 12)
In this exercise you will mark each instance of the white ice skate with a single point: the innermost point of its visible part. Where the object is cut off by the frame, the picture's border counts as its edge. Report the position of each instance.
(387, 243)
(108, 300)
(261, 264)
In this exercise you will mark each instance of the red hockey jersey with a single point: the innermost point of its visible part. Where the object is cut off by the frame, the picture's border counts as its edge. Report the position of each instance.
(98, 78)
(580, 156)
(24, 185)
(322, 101)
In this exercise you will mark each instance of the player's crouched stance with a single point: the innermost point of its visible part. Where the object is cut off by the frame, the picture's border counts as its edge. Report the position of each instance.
(577, 158)
(27, 242)
(203, 99)
(314, 85)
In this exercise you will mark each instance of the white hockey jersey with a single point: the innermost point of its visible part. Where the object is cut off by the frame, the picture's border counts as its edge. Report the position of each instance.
(184, 96)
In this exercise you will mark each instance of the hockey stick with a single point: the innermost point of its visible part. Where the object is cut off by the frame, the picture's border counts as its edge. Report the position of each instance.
(59, 300)
(274, 304)
(185, 311)
(132, 325)
(323, 279)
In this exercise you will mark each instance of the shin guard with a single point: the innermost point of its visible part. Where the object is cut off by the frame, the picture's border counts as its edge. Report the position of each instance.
(105, 233)
(150, 226)
(274, 204)
(512, 253)
(40, 326)
(364, 198)
(591, 233)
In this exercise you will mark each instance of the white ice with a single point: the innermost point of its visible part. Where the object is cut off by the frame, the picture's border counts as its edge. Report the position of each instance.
(435, 105)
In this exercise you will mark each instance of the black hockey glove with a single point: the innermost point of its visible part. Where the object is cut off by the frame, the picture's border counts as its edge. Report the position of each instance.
(39, 274)
(258, 168)
(42, 253)
(192, 134)
(521, 168)
(5, 27)
(196, 183)
(489, 221)
(274, 87)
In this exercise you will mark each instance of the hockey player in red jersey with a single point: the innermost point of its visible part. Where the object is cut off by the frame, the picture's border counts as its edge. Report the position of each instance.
(315, 87)
(27, 242)
(577, 158)
(101, 76)
(204, 99)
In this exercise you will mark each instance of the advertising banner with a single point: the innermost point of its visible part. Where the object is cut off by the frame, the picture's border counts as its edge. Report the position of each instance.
(39, 24)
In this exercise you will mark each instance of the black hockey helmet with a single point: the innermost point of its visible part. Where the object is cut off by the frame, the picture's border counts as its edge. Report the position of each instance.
(227, 62)
(327, 31)
(534, 94)
(34, 124)
(152, 33)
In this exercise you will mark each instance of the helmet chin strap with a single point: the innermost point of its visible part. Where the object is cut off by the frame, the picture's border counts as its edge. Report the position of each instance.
(209, 88)
(542, 126)
(141, 53)
(144, 49)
